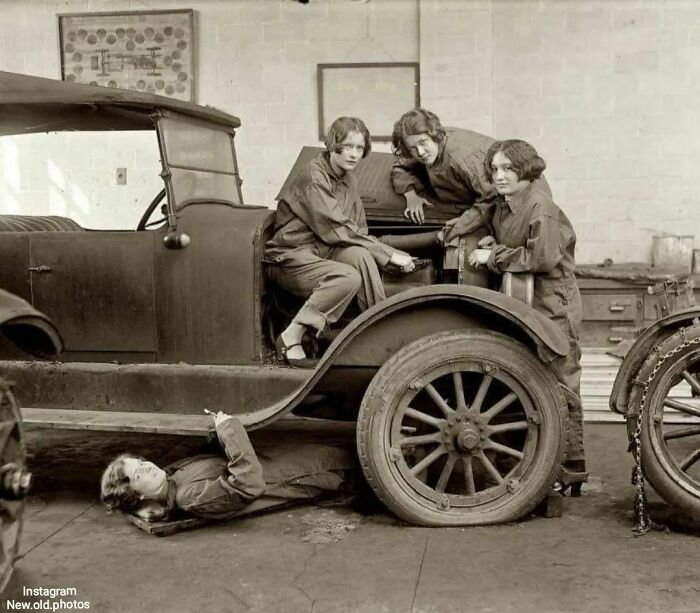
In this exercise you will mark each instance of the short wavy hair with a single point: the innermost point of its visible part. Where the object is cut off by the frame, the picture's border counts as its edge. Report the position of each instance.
(115, 488)
(524, 159)
(415, 121)
(339, 131)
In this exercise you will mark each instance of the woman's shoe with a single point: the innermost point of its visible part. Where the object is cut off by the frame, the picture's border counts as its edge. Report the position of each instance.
(572, 477)
(283, 355)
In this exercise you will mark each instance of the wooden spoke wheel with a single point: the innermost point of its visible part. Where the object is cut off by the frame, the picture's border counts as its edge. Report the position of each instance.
(462, 428)
(670, 433)
(14, 481)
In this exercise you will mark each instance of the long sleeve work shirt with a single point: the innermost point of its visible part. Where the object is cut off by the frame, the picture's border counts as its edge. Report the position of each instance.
(533, 235)
(456, 177)
(214, 487)
(322, 207)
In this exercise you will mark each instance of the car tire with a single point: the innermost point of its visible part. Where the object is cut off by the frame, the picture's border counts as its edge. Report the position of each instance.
(483, 438)
(671, 451)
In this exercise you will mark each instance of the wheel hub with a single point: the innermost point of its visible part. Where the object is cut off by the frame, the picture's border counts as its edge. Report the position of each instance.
(463, 435)
(468, 440)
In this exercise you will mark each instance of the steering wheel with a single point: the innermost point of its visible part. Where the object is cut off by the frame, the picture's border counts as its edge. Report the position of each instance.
(143, 222)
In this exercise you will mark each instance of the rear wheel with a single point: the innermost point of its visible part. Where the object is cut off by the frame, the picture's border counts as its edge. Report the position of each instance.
(462, 428)
(670, 432)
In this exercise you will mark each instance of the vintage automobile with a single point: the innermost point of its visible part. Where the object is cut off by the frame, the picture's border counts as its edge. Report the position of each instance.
(656, 389)
(459, 419)
(35, 334)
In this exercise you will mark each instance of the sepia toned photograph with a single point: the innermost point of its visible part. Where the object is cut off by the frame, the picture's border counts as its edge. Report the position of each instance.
(397, 310)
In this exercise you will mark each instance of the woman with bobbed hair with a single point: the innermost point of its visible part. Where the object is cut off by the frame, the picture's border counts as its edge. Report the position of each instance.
(211, 487)
(321, 249)
(531, 234)
(443, 163)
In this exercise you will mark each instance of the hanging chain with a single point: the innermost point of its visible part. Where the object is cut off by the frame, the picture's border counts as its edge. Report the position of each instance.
(643, 523)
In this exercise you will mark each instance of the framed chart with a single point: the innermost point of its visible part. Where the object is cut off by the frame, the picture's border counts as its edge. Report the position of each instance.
(378, 93)
(150, 51)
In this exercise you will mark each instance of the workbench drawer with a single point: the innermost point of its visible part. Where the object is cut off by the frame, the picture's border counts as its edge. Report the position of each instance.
(606, 333)
(611, 307)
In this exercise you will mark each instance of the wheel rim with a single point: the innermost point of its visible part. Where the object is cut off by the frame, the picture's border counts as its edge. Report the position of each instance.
(463, 435)
(674, 422)
(11, 511)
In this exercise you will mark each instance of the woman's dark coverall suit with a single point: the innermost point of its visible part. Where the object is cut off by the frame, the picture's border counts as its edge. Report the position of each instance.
(217, 487)
(320, 249)
(534, 235)
(456, 177)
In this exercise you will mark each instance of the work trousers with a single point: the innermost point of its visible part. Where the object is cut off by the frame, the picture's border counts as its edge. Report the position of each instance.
(329, 278)
(560, 301)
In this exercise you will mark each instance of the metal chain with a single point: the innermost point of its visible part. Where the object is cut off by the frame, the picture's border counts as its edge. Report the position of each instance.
(643, 523)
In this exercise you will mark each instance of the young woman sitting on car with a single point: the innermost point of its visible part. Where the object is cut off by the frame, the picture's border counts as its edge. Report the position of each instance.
(321, 249)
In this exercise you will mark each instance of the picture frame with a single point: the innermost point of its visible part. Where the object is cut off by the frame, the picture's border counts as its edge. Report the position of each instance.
(376, 92)
(149, 51)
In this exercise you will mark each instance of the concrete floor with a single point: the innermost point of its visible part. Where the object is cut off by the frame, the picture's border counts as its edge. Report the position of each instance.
(338, 559)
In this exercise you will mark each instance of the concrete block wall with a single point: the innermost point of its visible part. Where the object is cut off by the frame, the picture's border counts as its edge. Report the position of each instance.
(605, 89)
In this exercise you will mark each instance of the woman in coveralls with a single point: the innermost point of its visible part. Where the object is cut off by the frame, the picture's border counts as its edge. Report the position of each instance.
(531, 234)
(217, 487)
(445, 163)
(321, 249)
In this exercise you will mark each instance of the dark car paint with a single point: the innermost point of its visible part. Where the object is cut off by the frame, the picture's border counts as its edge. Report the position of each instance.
(638, 353)
(27, 328)
(183, 316)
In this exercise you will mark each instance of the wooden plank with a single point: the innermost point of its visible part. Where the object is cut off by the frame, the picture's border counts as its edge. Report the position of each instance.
(165, 528)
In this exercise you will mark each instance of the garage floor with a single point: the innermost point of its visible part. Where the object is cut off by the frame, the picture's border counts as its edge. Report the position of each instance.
(340, 559)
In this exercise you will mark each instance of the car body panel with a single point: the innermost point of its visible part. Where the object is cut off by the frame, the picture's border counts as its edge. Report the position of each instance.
(640, 350)
(31, 331)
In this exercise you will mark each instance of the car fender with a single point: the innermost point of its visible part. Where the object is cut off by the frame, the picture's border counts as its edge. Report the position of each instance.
(493, 308)
(638, 353)
(28, 329)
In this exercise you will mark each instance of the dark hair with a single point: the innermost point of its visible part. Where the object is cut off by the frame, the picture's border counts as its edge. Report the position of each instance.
(115, 488)
(415, 121)
(524, 159)
(339, 130)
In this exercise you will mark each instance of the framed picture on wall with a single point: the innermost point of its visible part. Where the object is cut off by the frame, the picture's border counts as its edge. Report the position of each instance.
(378, 93)
(149, 51)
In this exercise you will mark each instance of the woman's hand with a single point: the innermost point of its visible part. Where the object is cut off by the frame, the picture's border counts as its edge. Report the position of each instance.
(402, 260)
(221, 417)
(479, 257)
(488, 242)
(414, 207)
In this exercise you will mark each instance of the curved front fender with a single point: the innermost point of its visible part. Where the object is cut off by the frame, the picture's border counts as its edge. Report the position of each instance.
(470, 300)
(495, 311)
(639, 352)
(27, 328)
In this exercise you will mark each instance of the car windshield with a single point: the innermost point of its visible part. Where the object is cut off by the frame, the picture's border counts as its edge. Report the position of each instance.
(201, 161)
(101, 180)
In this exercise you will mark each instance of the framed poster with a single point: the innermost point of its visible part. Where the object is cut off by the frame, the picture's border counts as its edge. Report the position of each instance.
(378, 93)
(150, 51)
